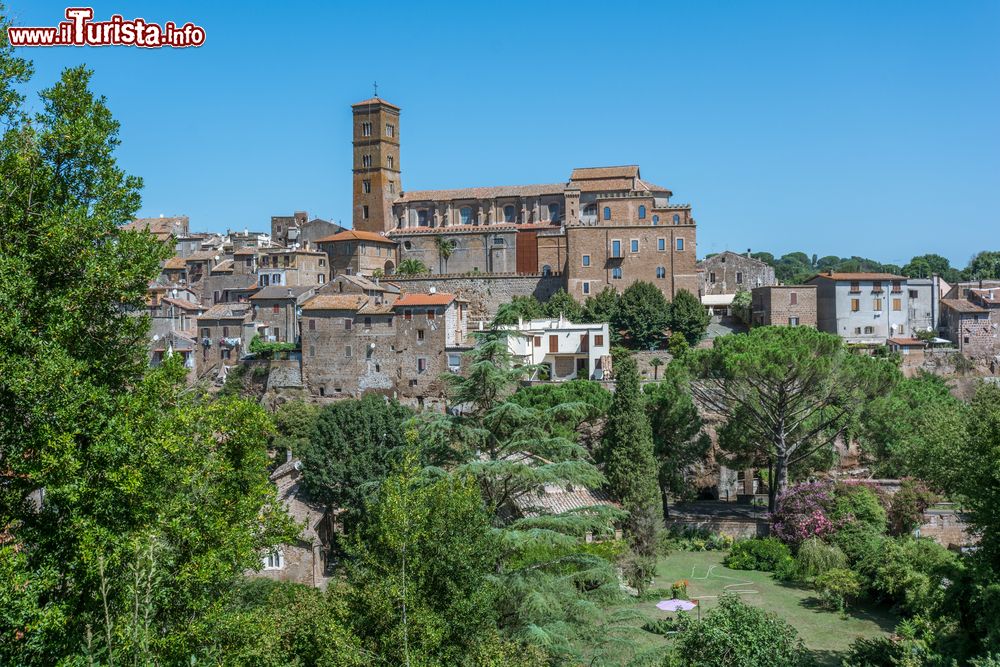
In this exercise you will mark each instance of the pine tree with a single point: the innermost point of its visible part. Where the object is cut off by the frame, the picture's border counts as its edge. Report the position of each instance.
(630, 466)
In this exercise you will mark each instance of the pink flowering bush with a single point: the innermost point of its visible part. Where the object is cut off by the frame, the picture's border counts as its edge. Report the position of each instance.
(804, 511)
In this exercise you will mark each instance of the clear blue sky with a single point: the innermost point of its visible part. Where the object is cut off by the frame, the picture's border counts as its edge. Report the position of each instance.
(868, 128)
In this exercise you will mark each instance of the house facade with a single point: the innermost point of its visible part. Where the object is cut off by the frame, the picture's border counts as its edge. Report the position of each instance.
(863, 308)
(785, 305)
(730, 272)
(569, 351)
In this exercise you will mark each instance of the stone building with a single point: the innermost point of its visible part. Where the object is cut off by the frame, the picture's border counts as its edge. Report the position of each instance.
(790, 305)
(276, 311)
(304, 561)
(604, 226)
(224, 330)
(972, 326)
(730, 272)
(359, 253)
(292, 267)
(353, 343)
(288, 230)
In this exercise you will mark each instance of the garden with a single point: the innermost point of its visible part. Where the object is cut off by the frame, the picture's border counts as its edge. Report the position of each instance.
(841, 580)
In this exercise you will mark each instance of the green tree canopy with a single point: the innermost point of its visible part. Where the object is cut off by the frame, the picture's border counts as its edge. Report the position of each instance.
(688, 316)
(644, 313)
(412, 267)
(561, 303)
(518, 308)
(788, 391)
(354, 444)
(984, 266)
(601, 308)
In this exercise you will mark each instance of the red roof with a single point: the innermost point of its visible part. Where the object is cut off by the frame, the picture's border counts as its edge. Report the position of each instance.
(908, 342)
(352, 235)
(439, 299)
(858, 276)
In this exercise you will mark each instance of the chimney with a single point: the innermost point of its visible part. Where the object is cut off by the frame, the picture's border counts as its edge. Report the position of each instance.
(749, 253)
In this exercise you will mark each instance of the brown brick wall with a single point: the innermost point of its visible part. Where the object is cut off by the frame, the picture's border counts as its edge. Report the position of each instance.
(773, 305)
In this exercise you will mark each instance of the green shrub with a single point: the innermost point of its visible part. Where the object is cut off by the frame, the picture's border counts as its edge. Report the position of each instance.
(816, 557)
(665, 626)
(758, 554)
(990, 660)
(906, 510)
(858, 541)
(874, 652)
(836, 587)
(860, 503)
(909, 572)
(735, 634)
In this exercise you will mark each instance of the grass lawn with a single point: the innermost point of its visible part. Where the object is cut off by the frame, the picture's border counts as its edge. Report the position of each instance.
(824, 632)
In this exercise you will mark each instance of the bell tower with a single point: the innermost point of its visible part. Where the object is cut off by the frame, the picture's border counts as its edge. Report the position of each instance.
(377, 181)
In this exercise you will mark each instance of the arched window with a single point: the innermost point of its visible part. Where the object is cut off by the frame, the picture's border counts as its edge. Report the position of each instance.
(642, 212)
(546, 270)
(465, 215)
(423, 218)
(661, 272)
(616, 273)
(509, 214)
(677, 219)
(656, 220)
(607, 212)
(553, 212)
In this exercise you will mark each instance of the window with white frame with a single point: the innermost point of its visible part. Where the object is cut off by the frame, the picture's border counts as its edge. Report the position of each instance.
(274, 560)
(680, 244)
(586, 260)
(634, 245)
(616, 273)
(586, 287)
(661, 245)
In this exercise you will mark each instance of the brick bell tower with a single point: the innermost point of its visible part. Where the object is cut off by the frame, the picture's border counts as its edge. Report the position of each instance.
(377, 176)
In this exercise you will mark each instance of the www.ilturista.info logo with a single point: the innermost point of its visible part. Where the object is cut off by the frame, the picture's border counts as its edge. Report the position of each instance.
(81, 30)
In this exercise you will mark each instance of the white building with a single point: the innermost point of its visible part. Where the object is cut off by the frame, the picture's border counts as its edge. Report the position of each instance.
(571, 351)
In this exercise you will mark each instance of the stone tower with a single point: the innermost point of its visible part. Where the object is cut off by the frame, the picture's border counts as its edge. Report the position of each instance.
(376, 164)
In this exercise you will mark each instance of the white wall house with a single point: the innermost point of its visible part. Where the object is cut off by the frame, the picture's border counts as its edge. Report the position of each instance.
(571, 351)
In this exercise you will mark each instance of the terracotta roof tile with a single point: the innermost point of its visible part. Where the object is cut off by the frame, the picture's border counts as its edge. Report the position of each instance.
(335, 302)
(374, 100)
(175, 263)
(963, 306)
(858, 276)
(352, 235)
(226, 311)
(183, 304)
(484, 192)
(624, 171)
(438, 299)
(908, 342)
(557, 501)
(460, 229)
(225, 266)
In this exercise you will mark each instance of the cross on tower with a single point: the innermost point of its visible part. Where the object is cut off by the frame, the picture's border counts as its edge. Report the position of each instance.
(375, 84)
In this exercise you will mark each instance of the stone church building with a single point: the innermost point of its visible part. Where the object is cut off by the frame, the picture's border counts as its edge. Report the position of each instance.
(604, 226)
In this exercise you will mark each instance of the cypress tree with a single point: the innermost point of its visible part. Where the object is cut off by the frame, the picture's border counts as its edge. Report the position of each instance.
(630, 466)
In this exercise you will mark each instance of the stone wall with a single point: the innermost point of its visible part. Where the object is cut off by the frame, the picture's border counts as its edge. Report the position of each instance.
(484, 293)
(947, 528)
(738, 529)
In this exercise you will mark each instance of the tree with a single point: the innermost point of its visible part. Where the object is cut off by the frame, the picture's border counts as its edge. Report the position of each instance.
(445, 248)
(355, 443)
(984, 266)
(786, 391)
(656, 362)
(294, 425)
(735, 634)
(688, 316)
(924, 266)
(644, 313)
(742, 307)
(412, 267)
(519, 308)
(900, 430)
(109, 470)
(419, 569)
(630, 466)
(561, 303)
(678, 438)
(601, 308)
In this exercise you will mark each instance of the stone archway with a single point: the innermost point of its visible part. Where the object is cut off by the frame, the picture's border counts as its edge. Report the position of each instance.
(389, 268)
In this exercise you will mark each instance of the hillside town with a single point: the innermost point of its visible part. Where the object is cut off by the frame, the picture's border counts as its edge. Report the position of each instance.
(527, 425)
